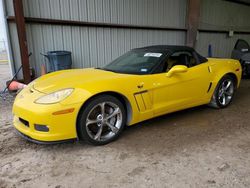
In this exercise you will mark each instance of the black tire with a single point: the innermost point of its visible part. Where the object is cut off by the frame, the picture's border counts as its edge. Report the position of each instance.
(91, 110)
(217, 99)
(245, 70)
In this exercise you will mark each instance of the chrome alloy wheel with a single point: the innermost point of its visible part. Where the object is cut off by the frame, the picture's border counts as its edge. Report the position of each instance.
(226, 91)
(104, 121)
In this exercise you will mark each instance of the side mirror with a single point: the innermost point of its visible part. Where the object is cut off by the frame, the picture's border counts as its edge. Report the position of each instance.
(177, 69)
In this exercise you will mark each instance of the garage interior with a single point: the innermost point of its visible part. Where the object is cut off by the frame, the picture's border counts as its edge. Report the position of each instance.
(198, 147)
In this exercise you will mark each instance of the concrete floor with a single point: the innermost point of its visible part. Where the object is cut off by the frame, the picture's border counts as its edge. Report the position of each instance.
(199, 147)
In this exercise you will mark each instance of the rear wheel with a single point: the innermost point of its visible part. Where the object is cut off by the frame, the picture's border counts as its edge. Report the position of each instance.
(102, 120)
(223, 93)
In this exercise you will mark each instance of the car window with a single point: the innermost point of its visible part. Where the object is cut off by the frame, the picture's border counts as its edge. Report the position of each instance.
(135, 62)
(180, 58)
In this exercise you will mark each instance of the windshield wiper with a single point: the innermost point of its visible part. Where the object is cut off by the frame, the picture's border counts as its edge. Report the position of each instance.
(105, 69)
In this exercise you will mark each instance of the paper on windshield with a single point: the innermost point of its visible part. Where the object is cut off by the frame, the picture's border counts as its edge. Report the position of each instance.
(153, 55)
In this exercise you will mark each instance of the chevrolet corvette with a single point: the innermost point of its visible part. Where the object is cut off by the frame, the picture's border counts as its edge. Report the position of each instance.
(95, 104)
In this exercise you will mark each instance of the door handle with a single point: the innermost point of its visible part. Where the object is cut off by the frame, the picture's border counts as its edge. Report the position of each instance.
(140, 86)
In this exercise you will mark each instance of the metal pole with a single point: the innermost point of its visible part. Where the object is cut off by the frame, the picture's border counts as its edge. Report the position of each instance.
(193, 17)
(21, 31)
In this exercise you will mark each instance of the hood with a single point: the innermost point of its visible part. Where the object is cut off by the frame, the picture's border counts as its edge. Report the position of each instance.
(73, 78)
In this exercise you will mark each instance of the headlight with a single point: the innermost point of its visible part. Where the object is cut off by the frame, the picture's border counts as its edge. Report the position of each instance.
(54, 97)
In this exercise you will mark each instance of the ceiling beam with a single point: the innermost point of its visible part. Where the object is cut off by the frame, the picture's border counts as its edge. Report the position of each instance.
(192, 22)
(21, 31)
(94, 24)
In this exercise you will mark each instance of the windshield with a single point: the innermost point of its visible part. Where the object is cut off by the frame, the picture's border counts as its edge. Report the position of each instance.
(135, 62)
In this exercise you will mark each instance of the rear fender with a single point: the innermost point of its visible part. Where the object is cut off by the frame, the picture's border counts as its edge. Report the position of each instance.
(229, 67)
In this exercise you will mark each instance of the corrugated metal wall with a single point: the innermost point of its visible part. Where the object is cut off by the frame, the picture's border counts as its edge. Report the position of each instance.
(222, 45)
(92, 46)
(137, 12)
(222, 15)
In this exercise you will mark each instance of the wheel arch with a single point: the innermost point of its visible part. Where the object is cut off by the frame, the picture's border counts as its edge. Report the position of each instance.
(124, 100)
(234, 77)
(218, 80)
(231, 74)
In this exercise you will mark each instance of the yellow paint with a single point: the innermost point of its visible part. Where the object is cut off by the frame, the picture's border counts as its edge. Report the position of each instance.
(159, 95)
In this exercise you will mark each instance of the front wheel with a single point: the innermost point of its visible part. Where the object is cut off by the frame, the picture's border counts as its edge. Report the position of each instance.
(223, 93)
(102, 120)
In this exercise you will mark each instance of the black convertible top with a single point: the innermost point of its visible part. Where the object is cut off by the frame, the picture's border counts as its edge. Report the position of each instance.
(171, 49)
(167, 48)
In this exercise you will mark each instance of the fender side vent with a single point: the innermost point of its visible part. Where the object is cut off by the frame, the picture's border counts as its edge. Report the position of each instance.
(209, 69)
(209, 87)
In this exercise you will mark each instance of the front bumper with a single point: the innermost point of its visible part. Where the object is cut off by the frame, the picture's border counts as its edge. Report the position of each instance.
(27, 114)
(43, 142)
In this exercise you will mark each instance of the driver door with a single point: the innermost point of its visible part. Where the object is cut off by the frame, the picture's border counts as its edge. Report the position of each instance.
(181, 90)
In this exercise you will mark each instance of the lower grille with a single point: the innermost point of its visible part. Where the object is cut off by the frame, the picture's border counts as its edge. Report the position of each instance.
(23, 121)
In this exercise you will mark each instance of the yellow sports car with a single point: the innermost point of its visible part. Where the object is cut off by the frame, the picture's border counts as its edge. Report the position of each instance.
(95, 104)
